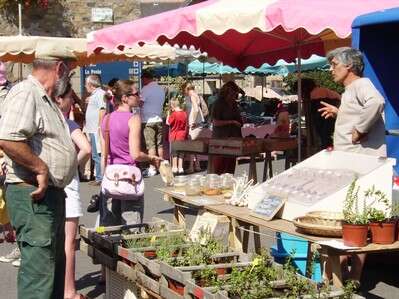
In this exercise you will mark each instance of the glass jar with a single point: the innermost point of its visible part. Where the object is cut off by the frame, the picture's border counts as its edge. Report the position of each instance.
(193, 186)
(227, 181)
(179, 183)
(213, 185)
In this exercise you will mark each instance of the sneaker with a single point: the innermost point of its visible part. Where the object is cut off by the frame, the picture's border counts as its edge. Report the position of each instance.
(16, 263)
(11, 257)
(150, 172)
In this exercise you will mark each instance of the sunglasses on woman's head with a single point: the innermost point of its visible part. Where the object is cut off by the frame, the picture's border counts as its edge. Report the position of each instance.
(136, 94)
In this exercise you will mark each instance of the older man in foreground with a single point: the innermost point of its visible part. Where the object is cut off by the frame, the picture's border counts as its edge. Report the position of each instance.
(360, 124)
(41, 161)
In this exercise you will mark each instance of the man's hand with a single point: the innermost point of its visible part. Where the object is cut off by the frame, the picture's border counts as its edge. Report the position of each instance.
(328, 111)
(357, 136)
(236, 123)
(42, 184)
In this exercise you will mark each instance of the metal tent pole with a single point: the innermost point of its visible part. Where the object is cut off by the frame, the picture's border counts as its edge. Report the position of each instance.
(263, 83)
(203, 78)
(299, 92)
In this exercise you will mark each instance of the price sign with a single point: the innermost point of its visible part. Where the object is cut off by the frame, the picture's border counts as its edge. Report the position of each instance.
(268, 207)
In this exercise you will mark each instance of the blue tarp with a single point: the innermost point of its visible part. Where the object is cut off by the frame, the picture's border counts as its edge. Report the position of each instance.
(376, 35)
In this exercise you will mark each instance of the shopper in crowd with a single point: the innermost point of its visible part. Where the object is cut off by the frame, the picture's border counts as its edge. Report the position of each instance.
(94, 112)
(4, 83)
(73, 204)
(109, 96)
(41, 161)
(178, 125)
(14, 256)
(359, 125)
(124, 148)
(153, 98)
(227, 122)
(197, 112)
(321, 129)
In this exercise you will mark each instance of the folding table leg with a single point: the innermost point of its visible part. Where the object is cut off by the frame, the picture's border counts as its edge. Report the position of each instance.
(252, 169)
(257, 245)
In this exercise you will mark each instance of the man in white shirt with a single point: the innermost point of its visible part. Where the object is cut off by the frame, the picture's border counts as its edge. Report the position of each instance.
(153, 98)
(94, 112)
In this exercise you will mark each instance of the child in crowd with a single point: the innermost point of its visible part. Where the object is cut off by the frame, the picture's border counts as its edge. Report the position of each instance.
(178, 126)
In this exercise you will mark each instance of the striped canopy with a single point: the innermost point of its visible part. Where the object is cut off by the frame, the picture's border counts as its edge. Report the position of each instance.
(243, 33)
(26, 48)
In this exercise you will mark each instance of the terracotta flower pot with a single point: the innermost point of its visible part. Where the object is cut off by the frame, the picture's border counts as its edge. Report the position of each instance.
(220, 271)
(383, 232)
(354, 235)
(176, 287)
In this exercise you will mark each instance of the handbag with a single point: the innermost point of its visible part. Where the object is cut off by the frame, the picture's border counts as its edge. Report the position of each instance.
(120, 181)
(4, 219)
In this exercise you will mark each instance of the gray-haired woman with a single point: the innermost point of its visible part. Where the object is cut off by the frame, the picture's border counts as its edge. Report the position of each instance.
(360, 118)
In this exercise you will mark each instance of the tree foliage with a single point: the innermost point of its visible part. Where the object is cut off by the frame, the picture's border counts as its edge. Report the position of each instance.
(25, 3)
(322, 78)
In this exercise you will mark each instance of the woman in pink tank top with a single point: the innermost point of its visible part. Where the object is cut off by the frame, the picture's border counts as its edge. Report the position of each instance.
(125, 132)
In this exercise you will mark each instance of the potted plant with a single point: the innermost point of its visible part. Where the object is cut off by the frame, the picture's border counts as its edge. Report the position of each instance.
(382, 227)
(355, 225)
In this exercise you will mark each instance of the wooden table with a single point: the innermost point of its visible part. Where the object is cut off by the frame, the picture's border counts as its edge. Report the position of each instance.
(269, 145)
(276, 144)
(203, 150)
(240, 217)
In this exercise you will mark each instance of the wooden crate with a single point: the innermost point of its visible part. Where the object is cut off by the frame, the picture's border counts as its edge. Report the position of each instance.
(199, 146)
(146, 265)
(126, 271)
(279, 144)
(236, 146)
(148, 282)
(118, 287)
(194, 291)
(180, 275)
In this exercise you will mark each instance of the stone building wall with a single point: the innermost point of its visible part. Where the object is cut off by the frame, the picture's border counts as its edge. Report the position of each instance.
(72, 18)
(66, 17)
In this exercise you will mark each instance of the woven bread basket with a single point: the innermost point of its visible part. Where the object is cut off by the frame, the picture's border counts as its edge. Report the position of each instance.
(319, 227)
(325, 218)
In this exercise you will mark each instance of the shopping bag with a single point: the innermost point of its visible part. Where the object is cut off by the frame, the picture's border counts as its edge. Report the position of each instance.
(3, 209)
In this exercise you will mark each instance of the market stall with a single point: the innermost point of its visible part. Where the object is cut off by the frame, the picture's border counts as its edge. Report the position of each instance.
(240, 35)
(273, 206)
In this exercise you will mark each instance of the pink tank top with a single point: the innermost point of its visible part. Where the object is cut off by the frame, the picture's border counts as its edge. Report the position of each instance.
(119, 137)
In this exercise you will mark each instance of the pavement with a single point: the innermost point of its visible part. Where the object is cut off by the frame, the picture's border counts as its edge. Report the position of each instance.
(380, 278)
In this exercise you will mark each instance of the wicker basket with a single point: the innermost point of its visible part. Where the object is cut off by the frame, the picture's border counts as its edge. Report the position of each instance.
(326, 215)
(325, 218)
(310, 225)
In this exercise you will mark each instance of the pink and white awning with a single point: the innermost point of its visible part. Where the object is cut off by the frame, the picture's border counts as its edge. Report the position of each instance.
(244, 33)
